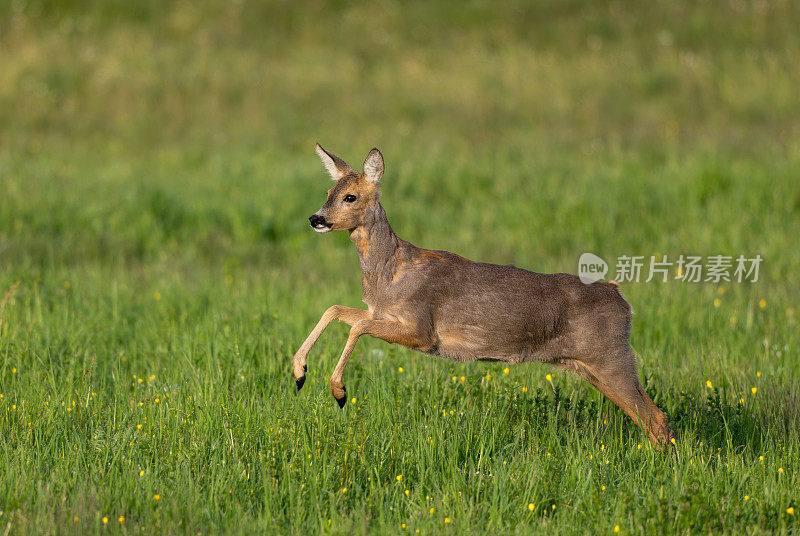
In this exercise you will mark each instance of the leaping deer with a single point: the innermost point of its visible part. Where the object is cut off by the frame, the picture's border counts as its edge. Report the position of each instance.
(442, 304)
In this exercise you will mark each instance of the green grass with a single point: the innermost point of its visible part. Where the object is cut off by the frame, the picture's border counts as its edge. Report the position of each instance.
(156, 173)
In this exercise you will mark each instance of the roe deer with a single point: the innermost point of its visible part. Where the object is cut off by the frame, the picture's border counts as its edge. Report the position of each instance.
(442, 304)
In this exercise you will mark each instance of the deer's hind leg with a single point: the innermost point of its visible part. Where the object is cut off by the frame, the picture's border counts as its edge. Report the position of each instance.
(615, 376)
(348, 315)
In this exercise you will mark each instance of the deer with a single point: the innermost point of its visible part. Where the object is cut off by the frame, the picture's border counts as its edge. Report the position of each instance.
(442, 304)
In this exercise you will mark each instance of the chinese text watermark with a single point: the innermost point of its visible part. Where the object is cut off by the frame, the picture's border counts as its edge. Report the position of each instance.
(685, 268)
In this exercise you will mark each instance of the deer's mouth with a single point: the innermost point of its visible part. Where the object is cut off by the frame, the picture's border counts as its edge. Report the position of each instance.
(322, 227)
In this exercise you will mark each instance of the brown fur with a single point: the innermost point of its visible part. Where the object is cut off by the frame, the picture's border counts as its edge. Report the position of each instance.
(442, 304)
(405, 262)
(359, 238)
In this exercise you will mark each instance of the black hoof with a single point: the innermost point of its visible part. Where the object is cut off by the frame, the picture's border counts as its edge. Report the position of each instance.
(302, 379)
(342, 401)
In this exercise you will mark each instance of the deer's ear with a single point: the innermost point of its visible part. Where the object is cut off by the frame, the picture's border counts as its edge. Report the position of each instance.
(337, 167)
(373, 166)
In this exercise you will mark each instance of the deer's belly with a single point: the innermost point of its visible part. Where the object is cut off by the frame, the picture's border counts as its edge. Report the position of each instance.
(470, 344)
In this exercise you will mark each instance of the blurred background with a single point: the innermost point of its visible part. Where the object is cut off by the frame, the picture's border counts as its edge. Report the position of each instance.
(523, 132)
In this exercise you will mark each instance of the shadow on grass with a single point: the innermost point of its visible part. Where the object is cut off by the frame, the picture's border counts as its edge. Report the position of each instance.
(721, 419)
(727, 418)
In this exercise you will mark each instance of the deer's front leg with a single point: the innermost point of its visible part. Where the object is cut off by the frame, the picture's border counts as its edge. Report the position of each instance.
(348, 315)
(395, 332)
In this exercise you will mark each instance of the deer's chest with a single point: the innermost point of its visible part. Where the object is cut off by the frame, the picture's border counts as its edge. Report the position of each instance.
(383, 298)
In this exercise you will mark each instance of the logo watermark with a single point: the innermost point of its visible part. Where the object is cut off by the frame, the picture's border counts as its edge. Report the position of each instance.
(591, 268)
(685, 268)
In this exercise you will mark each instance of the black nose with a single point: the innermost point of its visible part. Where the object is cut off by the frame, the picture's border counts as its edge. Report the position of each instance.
(316, 220)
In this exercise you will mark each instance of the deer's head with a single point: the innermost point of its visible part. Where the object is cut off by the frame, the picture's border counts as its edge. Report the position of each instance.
(353, 200)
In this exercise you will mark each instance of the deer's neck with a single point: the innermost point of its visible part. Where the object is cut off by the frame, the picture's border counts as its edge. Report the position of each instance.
(376, 244)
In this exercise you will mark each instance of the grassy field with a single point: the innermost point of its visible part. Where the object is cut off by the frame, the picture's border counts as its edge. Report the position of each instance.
(157, 271)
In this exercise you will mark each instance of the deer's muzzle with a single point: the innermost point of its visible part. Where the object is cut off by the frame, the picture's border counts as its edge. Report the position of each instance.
(319, 224)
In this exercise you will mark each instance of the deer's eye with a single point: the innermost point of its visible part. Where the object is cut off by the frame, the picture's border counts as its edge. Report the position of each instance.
(349, 198)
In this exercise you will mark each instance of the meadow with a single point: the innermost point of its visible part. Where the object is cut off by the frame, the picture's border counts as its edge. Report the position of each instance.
(157, 270)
